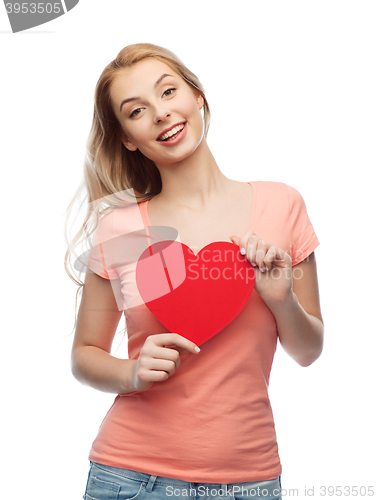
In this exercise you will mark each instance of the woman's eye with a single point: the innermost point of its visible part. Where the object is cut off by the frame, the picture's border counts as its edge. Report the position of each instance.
(169, 91)
(138, 110)
(134, 113)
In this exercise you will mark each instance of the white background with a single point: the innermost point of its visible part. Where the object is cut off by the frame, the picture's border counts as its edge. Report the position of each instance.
(291, 85)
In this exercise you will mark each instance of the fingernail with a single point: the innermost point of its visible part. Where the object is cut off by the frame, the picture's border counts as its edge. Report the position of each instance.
(197, 349)
(242, 251)
(253, 264)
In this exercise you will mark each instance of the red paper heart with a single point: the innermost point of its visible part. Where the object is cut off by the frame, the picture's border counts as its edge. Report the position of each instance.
(195, 296)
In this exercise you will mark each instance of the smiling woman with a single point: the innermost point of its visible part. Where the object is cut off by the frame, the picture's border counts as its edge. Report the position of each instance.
(164, 99)
(116, 167)
(185, 416)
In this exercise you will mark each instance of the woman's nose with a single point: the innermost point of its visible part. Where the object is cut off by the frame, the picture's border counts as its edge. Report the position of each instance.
(161, 114)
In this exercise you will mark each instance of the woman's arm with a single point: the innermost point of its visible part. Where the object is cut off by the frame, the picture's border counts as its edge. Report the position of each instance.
(97, 321)
(298, 317)
(92, 363)
(290, 293)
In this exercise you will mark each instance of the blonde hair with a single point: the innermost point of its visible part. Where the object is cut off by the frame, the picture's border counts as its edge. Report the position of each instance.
(109, 167)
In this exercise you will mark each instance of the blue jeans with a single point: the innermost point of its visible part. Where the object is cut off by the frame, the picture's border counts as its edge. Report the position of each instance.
(111, 483)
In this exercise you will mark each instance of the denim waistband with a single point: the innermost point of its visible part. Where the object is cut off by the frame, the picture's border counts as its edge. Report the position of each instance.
(151, 480)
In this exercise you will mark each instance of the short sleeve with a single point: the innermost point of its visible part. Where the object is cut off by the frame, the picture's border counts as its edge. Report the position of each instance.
(303, 239)
(101, 259)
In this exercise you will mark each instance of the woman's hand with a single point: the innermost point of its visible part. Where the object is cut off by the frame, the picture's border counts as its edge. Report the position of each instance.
(272, 266)
(159, 358)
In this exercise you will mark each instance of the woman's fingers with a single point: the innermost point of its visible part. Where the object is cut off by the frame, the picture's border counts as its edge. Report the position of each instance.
(255, 250)
(159, 358)
(174, 340)
(166, 365)
(259, 252)
(270, 257)
(161, 353)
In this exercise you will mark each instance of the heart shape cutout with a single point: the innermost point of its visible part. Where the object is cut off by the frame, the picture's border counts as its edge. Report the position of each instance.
(194, 295)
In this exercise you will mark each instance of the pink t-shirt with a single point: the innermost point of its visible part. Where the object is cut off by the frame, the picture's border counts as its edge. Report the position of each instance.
(211, 421)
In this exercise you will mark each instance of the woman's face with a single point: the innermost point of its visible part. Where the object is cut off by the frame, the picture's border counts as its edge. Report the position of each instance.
(148, 99)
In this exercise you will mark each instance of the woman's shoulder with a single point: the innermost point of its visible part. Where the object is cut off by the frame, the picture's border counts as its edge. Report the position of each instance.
(275, 187)
(125, 218)
(266, 190)
(269, 185)
(277, 196)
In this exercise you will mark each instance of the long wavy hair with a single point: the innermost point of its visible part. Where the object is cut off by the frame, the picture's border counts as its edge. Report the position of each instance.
(109, 167)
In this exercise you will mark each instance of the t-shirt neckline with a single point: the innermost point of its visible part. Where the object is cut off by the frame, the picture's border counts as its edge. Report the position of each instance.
(147, 221)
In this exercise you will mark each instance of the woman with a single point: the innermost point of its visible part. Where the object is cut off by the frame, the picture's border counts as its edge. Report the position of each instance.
(187, 419)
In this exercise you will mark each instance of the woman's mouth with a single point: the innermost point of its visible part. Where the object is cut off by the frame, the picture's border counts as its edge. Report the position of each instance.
(174, 135)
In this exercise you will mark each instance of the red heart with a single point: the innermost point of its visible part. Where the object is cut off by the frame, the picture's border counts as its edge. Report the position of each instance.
(195, 296)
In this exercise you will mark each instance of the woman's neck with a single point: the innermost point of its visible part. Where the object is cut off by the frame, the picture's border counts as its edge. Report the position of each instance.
(195, 181)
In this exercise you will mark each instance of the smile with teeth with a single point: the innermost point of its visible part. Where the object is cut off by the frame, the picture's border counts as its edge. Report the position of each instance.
(171, 133)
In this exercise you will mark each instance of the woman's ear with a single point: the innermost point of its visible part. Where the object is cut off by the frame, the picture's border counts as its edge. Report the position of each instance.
(127, 143)
(200, 101)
